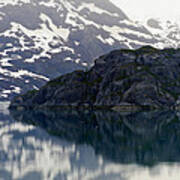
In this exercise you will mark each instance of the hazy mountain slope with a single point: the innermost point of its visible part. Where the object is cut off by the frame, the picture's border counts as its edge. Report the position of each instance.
(167, 31)
(41, 39)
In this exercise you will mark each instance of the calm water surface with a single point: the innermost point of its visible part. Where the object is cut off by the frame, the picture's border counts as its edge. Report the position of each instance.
(70, 145)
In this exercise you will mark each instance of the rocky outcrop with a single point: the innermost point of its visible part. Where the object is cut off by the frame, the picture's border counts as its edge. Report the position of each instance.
(123, 79)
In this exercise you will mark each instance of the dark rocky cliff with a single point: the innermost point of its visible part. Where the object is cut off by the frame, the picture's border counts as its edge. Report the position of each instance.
(135, 79)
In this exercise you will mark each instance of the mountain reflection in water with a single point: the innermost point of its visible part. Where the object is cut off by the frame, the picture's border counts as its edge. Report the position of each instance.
(95, 145)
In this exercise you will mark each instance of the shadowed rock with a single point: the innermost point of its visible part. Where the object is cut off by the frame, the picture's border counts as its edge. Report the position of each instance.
(146, 78)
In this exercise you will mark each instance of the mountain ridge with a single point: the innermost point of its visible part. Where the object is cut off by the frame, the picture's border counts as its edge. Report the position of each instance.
(40, 40)
(146, 78)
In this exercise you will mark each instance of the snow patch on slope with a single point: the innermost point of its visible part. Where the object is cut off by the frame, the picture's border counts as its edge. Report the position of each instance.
(20, 73)
(58, 31)
(13, 2)
(93, 8)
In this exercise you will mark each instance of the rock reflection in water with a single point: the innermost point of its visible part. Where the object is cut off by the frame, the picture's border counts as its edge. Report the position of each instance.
(145, 138)
(90, 145)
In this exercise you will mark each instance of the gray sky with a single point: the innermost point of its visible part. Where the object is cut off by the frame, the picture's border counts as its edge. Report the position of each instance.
(142, 9)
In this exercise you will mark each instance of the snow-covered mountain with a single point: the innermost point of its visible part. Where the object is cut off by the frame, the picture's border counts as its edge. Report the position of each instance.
(167, 31)
(42, 39)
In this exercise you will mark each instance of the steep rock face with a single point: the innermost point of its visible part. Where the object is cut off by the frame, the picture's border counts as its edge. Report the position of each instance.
(146, 77)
